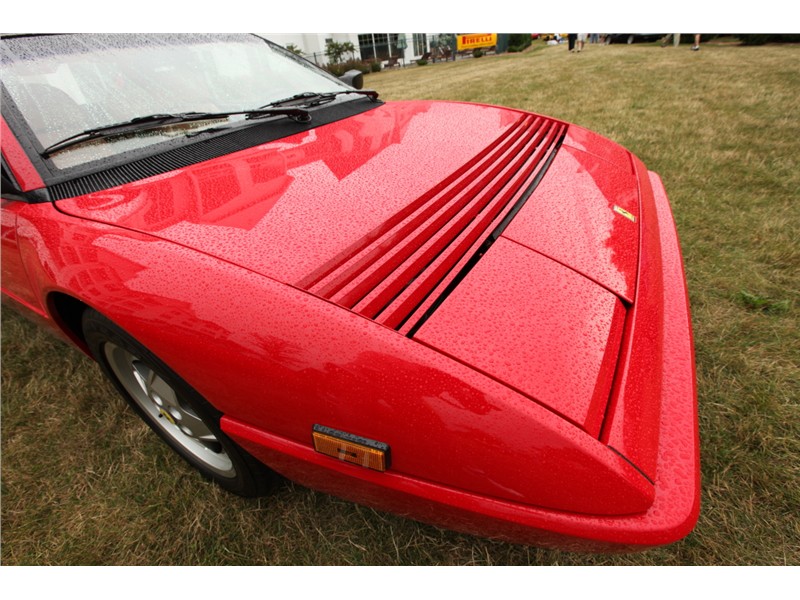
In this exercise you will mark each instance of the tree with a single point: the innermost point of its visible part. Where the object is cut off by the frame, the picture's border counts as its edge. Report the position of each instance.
(294, 49)
(335, 51)
(349, 48)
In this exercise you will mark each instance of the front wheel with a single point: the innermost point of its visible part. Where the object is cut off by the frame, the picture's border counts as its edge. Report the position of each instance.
(172, 408)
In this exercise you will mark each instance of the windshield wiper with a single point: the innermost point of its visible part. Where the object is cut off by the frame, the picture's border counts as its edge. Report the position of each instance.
(308, 99)
(162, 120)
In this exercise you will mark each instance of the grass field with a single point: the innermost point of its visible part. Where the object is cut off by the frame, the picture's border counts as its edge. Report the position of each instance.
(83, 482)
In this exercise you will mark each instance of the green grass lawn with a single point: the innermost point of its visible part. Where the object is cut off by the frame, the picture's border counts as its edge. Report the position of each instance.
(83, 482)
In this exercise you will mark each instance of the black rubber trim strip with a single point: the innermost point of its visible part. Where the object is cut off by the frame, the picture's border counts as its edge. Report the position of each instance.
(206, 149)
(488, 242)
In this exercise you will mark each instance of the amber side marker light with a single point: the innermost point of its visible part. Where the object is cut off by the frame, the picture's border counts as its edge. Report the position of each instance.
(351, 448)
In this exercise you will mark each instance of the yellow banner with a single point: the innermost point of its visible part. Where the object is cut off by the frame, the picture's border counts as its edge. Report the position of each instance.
(467, 41)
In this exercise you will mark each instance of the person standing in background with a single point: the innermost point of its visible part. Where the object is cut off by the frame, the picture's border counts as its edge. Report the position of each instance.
(676, 40)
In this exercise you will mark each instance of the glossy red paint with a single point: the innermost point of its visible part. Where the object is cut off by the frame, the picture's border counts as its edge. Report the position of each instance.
(585, 233)
(238, 322)
(676, 502)
(285, 209)
(549, 398)
(563, 345)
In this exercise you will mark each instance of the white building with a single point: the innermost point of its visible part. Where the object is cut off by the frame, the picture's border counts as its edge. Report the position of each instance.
(386, 47)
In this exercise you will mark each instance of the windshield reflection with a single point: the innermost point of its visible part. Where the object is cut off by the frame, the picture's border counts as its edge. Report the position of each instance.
(65, 84)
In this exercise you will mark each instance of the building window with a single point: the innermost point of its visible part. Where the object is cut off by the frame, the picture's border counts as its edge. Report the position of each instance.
(378, 46)
(420, 44)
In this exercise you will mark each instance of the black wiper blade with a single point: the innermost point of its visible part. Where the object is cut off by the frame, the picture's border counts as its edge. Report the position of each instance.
(316, 98)
(155, 121)
(136, 124)
(296, 114)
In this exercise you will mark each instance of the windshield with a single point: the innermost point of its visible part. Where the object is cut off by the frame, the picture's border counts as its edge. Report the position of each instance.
(65, 84)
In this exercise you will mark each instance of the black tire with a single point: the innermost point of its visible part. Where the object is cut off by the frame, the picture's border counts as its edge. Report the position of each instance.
(172, 408)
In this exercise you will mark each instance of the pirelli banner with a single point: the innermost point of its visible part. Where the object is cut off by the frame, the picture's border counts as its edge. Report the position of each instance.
(470, 41)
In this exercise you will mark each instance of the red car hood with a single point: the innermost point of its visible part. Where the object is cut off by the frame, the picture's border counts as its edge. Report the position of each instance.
(386, 212)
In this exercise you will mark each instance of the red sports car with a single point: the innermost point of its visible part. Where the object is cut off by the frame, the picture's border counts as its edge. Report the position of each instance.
(279, 274)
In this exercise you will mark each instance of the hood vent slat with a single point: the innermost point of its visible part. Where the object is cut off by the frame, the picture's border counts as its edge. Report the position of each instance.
(397, 272)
